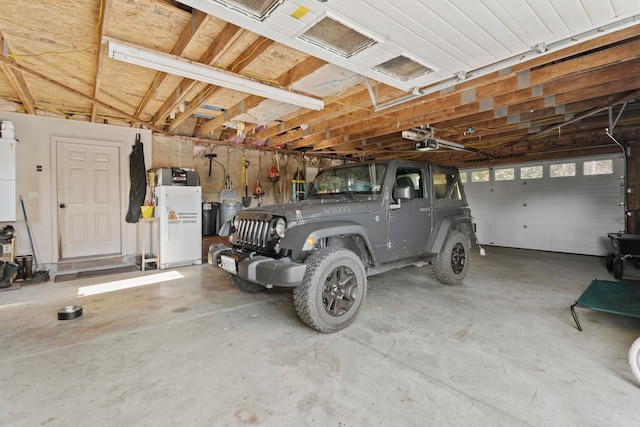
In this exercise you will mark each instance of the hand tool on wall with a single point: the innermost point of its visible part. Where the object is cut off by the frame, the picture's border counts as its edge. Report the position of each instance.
(246, 200)
(38, 275)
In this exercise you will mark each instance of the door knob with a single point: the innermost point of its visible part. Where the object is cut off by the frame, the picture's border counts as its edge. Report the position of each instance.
(62, 205)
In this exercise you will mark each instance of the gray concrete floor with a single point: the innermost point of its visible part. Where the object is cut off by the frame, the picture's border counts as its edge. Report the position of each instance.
(501, 349)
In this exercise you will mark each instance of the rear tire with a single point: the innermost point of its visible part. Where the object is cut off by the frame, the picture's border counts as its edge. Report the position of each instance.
(332, 290)
(609, 261)
(618, 268)
(451, 265)
(244, 285)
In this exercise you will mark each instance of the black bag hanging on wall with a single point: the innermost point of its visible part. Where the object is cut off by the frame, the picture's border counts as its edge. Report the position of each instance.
(138, 174)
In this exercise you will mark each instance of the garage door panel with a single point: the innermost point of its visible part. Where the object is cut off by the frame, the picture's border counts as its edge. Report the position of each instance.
(564, 214)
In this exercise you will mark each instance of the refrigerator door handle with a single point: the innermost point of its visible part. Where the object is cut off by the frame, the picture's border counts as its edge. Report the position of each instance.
(165, 225)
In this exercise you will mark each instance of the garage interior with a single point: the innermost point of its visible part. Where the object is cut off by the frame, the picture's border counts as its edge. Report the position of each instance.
(233, 88)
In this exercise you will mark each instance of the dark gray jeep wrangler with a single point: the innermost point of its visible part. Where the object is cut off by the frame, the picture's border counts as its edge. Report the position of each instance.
(358, 220)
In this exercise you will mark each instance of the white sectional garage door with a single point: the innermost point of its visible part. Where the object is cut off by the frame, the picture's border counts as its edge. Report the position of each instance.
(566, 205)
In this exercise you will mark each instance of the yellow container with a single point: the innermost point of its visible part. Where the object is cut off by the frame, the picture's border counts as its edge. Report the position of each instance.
(147, 211)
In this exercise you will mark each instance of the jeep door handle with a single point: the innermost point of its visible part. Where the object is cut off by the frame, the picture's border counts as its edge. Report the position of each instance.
(425, 209)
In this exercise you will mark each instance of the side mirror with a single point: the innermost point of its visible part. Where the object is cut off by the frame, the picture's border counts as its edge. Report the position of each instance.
(403, 192)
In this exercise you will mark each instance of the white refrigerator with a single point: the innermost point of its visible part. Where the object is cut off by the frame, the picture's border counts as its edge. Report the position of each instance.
(180, 211)
(8, 179)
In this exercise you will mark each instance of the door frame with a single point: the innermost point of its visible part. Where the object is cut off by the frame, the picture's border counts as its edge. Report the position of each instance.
(408, 206)
(55, 246)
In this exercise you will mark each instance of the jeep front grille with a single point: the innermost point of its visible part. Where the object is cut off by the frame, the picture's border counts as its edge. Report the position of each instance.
(253, 233)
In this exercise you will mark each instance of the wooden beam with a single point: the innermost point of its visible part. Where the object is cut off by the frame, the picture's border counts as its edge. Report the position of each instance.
(229, 35)
(302, 69)
(573, 103)
(563, 63)
(242, 61)
(450, 105)
(78, 93)
(103, 20)
(578, 144)
(16, 80)
(189, 34)
(590, 113)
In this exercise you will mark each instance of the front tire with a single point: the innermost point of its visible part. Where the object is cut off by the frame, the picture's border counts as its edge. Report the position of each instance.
(244, 285)
(451, 265)
(332, 290)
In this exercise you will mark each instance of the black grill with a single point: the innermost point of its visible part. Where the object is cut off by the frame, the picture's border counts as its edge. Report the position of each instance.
(253, 233)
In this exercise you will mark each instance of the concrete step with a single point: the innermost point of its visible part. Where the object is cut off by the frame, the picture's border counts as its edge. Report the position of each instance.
(76, 268)
(74, 265)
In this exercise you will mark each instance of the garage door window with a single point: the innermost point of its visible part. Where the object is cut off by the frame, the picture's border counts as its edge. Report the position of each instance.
(504, 174)
(480, 176)
(562, 169)
(598, 167)
(531, 172)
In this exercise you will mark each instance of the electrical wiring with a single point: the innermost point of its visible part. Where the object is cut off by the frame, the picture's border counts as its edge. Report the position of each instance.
(93, 47)
(260, 78)
(62, 52)
(33, 64)
(240, 61)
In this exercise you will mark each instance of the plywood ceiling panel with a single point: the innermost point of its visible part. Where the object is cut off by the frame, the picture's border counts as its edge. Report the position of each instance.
(156, 24)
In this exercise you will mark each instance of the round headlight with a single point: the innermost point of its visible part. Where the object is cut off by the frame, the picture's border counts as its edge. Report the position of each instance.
(235, 222)
(280, 227)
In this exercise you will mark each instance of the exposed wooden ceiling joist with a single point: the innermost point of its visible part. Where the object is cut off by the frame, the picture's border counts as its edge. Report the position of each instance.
(506, 111)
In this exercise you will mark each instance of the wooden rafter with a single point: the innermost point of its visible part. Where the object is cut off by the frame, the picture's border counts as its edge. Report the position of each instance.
(15, 79)
(188, 36)
(564, 92)
(18, 67)
(223, 41)
(503, 89)
(103, 20)
(254, 50)
(305, 67)
(357, 108)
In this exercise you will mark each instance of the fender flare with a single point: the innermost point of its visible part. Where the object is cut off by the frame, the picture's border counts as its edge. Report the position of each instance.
(446, 225)
(298, 237)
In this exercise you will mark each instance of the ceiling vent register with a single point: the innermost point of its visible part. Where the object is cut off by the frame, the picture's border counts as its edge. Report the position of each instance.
(402, 68)
(255, 9)
(334, 36)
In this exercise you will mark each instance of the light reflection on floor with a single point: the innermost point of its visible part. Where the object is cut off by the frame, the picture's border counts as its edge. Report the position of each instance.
(128, 283)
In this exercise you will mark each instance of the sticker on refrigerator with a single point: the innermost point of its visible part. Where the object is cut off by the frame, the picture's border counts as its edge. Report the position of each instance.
(174, 217)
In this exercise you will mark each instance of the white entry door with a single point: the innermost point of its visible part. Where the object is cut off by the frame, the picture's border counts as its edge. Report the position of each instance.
(88, 199)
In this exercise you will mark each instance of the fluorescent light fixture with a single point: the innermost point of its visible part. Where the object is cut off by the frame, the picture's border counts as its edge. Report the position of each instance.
(175, 65)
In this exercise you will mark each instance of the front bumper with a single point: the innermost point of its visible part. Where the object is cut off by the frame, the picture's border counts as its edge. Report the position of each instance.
(258, 268)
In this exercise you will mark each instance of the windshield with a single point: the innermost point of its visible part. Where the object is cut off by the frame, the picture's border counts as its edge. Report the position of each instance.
(356, 179)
